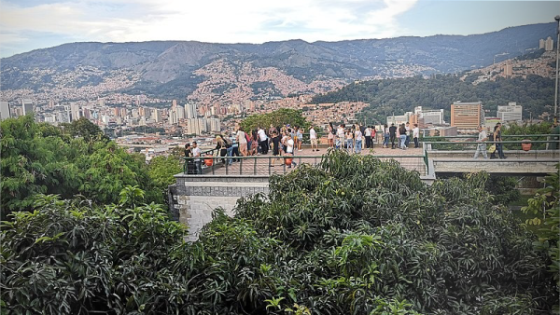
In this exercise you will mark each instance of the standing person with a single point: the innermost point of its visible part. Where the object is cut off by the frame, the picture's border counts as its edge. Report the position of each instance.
(358, 137)
(340, 139)
(263, 141)
(402, 135)
(275, 142)
(408, 132)
(241, 139)
(196, 152)
(189, 162)
(373, 135)
(385, 136)
(349, 140)
(392, 135)
(299, 134)
(330, 135)
(229, 146)
(498, 140)
(290, 147)
(313, 139)
(481, 147)
(221, 149)
(367, 134)
(491, 139)
(416, 135)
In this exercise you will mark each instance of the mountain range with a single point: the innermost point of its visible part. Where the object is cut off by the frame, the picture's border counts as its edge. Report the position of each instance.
(230, 72)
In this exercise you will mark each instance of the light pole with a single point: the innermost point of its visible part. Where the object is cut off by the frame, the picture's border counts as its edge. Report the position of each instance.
(557, 18)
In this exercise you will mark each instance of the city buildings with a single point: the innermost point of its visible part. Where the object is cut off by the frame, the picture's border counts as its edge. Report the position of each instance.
(4, 110)
(467, 116)
(510, 112)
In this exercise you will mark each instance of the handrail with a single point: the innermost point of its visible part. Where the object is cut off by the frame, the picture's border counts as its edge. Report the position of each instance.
(258, 161)
(476, 136)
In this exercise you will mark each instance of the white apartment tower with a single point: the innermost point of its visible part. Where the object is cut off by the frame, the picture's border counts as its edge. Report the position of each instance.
(510, 112)
(26, 106)
(4, 110)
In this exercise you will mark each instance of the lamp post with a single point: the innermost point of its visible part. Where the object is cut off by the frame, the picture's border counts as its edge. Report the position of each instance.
(557, 18)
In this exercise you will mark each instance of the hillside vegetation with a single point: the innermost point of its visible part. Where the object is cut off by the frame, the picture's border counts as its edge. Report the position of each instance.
(397, 96)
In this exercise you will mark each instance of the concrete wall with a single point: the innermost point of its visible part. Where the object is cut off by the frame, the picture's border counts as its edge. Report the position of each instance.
(193, 198)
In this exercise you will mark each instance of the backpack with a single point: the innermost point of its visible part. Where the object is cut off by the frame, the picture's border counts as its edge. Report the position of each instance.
(228, 142)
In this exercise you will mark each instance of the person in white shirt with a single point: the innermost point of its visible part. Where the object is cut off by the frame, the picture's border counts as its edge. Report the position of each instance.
(196, 152)
(340, 137)
(481, 147)
(367, 134)
(313, 139)
(358, 138)
(416, 135)
(263, 141)
(290, 150)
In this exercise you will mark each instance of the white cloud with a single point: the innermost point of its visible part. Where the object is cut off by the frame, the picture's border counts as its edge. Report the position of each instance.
(209, 21)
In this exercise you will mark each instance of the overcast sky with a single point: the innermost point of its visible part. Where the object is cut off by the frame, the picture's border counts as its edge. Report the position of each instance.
(31, 24)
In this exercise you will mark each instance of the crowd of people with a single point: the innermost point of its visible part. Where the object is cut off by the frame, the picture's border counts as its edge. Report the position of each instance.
(284, 141)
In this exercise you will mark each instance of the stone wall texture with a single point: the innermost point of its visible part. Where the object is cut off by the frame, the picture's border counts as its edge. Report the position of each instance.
(193, 198)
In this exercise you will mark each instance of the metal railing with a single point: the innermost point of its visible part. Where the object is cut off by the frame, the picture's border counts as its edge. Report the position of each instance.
(520, 149)
(266, 165)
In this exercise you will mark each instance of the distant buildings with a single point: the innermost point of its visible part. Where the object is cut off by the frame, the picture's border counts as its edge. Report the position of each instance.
(510, 112)
(467, 116)
(27, 106)
(4, 110)
(547, 44)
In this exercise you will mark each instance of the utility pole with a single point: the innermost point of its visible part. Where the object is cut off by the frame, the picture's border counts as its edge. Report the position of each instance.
(557, 18)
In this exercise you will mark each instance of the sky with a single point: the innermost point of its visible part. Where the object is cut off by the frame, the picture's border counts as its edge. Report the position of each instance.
(26, 25)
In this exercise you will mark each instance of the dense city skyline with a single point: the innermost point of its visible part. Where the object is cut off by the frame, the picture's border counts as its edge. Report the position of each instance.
(27, 25)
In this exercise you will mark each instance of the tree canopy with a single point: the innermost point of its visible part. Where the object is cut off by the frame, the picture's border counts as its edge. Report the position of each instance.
(276, 118)
(355, 235)
(42, 159)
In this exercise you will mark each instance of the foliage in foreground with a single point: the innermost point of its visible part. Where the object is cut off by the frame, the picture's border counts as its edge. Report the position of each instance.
(546, 205)
(43, 159)
(355, 236)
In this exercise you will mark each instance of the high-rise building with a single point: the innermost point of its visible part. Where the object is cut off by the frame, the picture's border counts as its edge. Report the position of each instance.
(190, 111)
(75, 111)
(27, 106)
(541, 43)
(510, 112)
(4, 110)
(467, 116)
(508, 68)
(548, 44)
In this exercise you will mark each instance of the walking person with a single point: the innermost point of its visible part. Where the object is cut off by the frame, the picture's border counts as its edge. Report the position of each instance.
(402, 136)
(481, 147)
(498, 140)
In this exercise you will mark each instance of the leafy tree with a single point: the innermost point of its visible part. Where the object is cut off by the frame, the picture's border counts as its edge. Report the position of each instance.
(69, 258)
(84, 128)
(41, 159)
(546, 205)
(276, 118)
(161, 170)
(32, 164)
